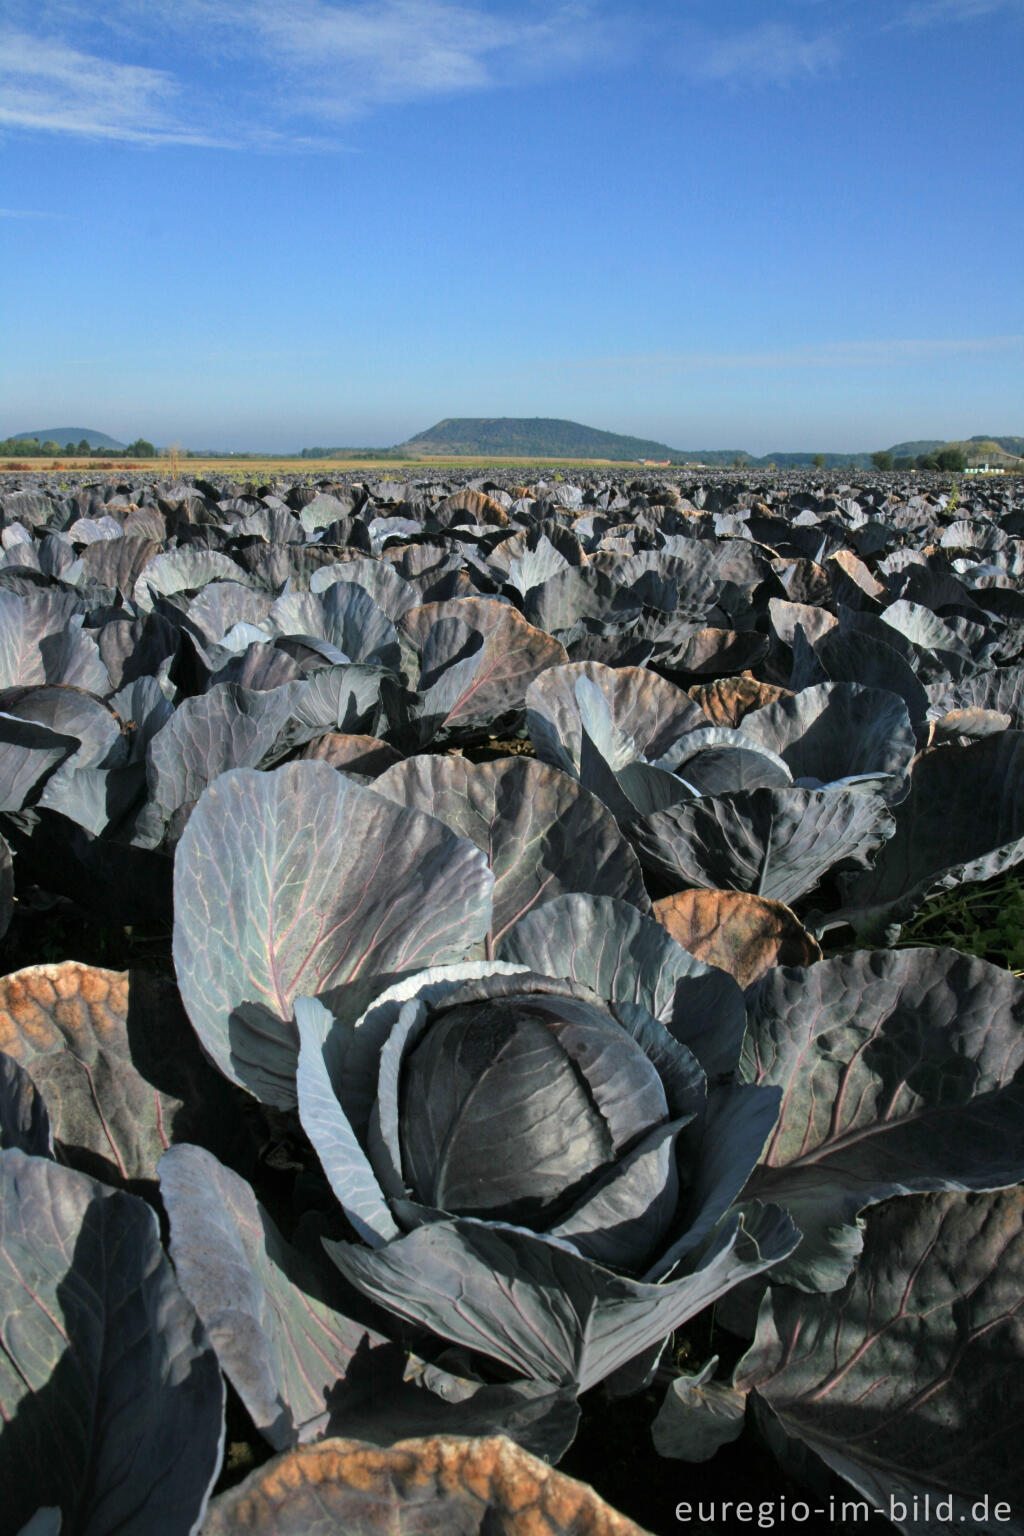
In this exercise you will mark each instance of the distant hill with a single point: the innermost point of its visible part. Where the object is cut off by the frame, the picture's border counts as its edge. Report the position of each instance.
(911, 450)
(65, 435)
(545, 437)
(534, 437)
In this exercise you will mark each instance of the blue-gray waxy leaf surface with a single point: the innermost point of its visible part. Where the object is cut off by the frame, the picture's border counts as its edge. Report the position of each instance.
(909, 1381)
(24, 1122)
(295, 882)
(540, 1307)
(228, 727)
(110, 1394)
(181, 570)
(285, 1350)
(776, 843)
(962, 820)
(345, 616)
(501, 656)
(901, 1071)
(848, 654)
(837, 731)
(28, 751)
(541, 832)
(39, 643)
(593, 721)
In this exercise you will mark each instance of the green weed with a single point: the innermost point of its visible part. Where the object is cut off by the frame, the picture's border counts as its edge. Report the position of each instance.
(985, 920)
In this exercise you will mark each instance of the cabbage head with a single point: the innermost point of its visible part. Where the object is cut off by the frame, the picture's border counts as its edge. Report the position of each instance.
(536, 1173)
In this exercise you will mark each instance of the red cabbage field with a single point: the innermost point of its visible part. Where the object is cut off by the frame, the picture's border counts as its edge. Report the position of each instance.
(473, 1053)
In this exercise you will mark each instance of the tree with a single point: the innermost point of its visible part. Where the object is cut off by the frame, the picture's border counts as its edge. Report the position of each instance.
(951, 460)
(50, 449)
(818, 461)
(140, 449)
(926, 461)
(83, 448)
(882, 459)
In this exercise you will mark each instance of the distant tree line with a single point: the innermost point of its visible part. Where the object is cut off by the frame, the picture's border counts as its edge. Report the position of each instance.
(947, 460)
(32, 448)
(349, 453)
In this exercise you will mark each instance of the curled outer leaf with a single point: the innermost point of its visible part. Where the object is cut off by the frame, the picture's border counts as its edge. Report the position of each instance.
(511, 654)
(838, 730)
(698, 1416)
(227, 727)
(644, 708)
(464, 1487)
(541, 1308)
(353, 754)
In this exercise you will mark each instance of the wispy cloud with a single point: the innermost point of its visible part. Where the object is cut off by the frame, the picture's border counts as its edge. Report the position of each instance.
(284, 68)
(347, 58)
(285, 73)
(774, 53)
(29, 213)
(50, 86)
(836, 355)
(399, 50)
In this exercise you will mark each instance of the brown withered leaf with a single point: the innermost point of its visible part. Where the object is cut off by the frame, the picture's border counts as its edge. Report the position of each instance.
(742, 934)
(358, 754)
(483, 509)
(463, 1487)
(972, 723)
(727, 700)
(116, 1062)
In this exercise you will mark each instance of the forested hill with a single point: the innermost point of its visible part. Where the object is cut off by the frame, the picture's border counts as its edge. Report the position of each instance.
(65, 435)
(534, 437)
(546, 437)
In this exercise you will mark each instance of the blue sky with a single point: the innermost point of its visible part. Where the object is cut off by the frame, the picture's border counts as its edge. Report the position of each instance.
(720, 223)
